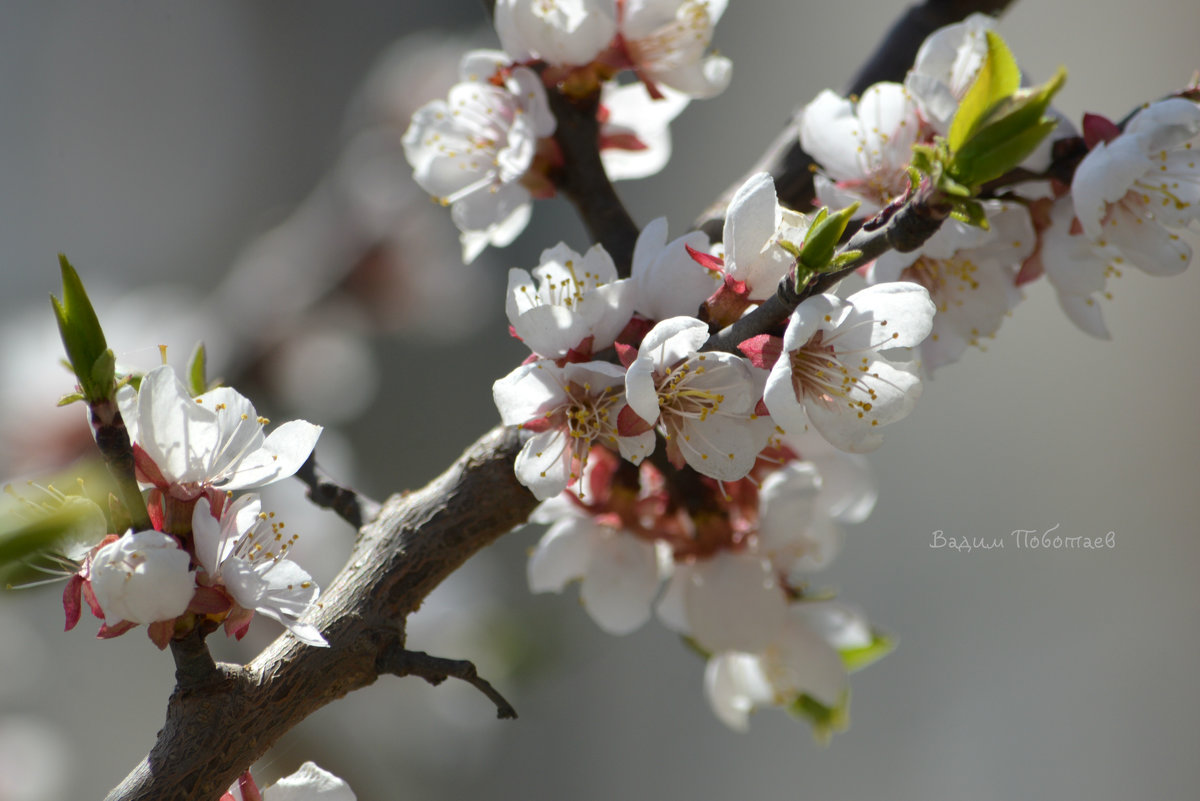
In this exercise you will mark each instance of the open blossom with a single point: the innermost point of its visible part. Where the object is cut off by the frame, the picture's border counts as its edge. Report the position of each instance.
(571, 408)
(142, 577)
(244, 552)
(309, 783)
(186, 446)
(946, 66)
(1132, 191)
(569, 299)
(559, 32)
(668, 281)
(619, 572)
(1078, 269)
(667, 42)
(704, 402)
(472, 150)
(863, 148)
(803, 659)
(755, 224)
(834, 370)
(635, 129)
(971, 275)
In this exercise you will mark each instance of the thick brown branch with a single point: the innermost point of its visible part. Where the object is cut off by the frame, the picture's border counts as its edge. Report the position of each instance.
(215, 729)
(788, 164)
(584, 181)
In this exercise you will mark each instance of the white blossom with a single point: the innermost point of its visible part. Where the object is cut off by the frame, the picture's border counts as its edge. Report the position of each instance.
(863, 148)
(245, 553)
(835, 371)
(619, 572)
(1078, 269)
(472, 150)
(570, 408)
(213, 441)
(1133, 191)
(668, 43)
(971, 275)
(755, 224)
(309, 783)
(635, 129)
(573, 297)
(559, 32)
(704, 402)
(668, 281)
(143, 577)
(945, 67)
(803, 659)
(731, 601)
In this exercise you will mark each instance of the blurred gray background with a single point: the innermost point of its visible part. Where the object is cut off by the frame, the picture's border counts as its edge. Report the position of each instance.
(154, 141)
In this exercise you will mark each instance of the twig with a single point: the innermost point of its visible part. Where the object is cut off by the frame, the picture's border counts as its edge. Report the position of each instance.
(905, 230)
(435, 670)
(112, 440)
(350, 505)
(788, 164)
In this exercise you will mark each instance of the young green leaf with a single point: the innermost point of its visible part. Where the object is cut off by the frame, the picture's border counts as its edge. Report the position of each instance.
(998, 78)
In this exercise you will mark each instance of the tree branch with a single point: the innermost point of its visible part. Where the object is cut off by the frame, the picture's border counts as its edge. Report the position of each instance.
(584, 181)
(435, 670)
(788, 164)
(417, 540)
(904, 230)
(352, 506)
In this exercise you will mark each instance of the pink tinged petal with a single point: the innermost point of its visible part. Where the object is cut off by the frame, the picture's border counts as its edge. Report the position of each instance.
(528, 392)
(561, 556)
(897, 388)
(734, 603)
(750, 222)
(309, 783)
(281, 455)
(621, 581)
(735, 686)
(1103, 177)
(544, 464)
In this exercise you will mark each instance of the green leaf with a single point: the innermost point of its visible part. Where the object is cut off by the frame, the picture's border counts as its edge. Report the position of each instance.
(858, 658)
(82, 336)
(197, 382)
(825, 720)
(821, 242)
(77, 520)
(998, 78)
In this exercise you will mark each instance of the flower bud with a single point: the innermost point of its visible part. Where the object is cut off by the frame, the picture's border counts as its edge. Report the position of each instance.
(142, 577)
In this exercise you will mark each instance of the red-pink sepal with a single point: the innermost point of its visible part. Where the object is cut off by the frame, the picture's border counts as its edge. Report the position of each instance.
(146, 470)
(1097, 129)
(72, 606)
(154, 508)
(209, 601)
(762, 350)
(630, 423)
(161, 632)
(107, 632)
(238, 622)
(708, 261)
(626, 353)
